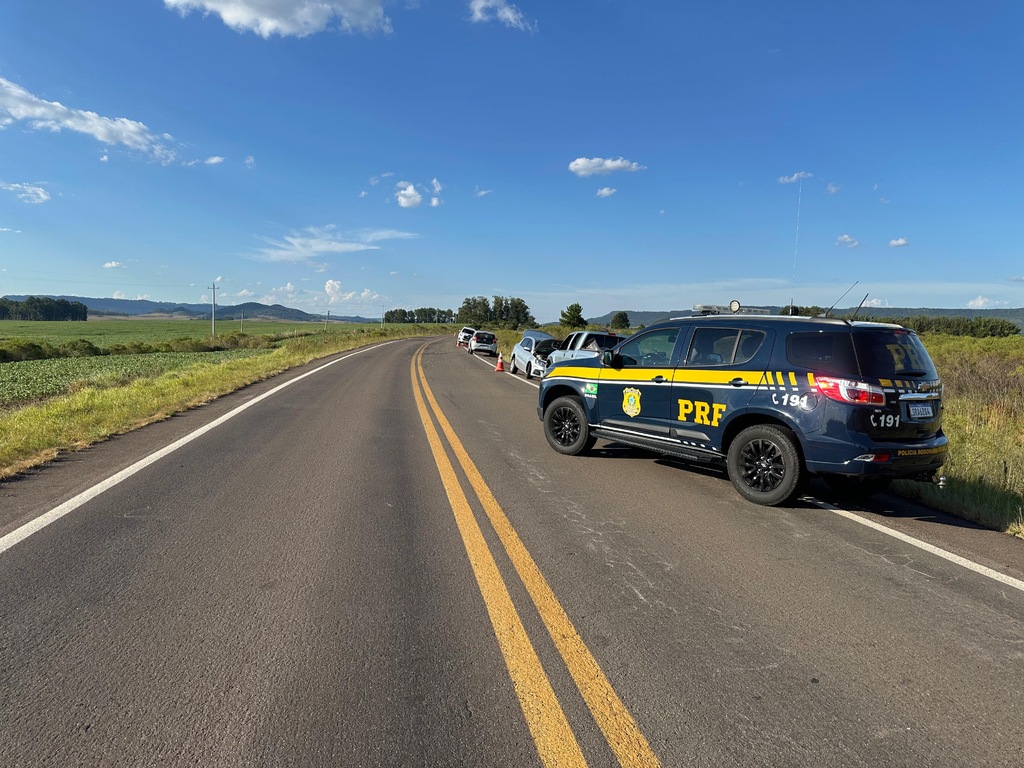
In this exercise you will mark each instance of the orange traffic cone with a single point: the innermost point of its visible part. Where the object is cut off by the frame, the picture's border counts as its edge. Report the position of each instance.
(501, 364)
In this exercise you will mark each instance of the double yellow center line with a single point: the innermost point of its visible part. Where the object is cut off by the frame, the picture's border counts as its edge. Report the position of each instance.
(555, 741)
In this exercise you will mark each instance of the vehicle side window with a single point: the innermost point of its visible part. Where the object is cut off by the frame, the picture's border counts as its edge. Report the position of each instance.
(528, 344)
(825, 352)
(750, 343)
(654, 348)
(570, 340)
(713, 346)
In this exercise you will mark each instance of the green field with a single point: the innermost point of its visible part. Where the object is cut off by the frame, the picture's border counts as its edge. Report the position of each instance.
(107, 331)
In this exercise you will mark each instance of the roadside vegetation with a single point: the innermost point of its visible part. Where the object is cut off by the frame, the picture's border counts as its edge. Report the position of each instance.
(65, 403)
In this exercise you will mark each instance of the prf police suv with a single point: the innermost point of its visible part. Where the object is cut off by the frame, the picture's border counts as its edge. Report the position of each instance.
(775, 398)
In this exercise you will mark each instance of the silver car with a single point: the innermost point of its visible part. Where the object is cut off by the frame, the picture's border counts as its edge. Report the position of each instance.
(483, 341)
(530, 354)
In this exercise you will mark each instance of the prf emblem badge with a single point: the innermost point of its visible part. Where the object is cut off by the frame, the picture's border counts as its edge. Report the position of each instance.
(631, 401)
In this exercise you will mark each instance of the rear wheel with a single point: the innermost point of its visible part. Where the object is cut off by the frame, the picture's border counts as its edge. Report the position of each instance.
(566, 428)
(764, 465)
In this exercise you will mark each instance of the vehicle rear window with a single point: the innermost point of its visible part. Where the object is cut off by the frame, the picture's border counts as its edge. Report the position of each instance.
(886, 354)
(824, 352)
(486, 338)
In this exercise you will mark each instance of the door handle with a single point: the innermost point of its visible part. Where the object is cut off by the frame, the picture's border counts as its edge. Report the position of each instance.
(659, 379)
(738, 382)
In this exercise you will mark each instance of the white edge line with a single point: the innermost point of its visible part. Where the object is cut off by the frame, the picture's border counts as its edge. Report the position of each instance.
(33, 526)
(524, 380)
(970, 565)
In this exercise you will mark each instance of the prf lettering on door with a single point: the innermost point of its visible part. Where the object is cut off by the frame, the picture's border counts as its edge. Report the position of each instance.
(700, 412)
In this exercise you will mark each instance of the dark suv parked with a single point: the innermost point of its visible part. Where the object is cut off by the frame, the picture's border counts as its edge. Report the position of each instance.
(775, 398)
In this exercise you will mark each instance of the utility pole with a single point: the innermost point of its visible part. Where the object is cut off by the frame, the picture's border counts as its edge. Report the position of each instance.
(213, 314)
(328, 319)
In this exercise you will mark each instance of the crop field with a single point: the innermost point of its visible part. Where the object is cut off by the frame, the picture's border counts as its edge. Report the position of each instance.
(108, 331)
(32, 380)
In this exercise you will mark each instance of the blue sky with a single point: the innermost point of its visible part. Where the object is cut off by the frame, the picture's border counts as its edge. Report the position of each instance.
(354, 155)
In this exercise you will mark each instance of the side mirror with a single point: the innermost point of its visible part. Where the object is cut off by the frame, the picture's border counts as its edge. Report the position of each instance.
(610, 359)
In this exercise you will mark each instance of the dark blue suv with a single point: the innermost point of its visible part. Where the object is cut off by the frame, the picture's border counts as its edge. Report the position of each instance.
(775, 398)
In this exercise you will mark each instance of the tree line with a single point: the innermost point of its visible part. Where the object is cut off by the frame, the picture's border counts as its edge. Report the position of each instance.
(42, 308)
(978, 327)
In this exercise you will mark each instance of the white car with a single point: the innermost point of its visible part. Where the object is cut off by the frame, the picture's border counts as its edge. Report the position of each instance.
(462, 337)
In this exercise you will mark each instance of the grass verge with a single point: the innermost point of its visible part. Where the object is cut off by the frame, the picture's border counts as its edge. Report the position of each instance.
(38, 433)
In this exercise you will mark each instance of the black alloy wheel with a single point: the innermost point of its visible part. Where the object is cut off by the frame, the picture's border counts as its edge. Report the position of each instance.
(764, 465)
(566, 428)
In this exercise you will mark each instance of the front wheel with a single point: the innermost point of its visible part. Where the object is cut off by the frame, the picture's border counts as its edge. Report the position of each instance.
(512, 367)
(566, 428)
(529, 371)
(764, 465)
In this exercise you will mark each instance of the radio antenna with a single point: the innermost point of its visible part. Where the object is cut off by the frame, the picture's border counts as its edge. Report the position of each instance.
(857, 312)
(829, 310)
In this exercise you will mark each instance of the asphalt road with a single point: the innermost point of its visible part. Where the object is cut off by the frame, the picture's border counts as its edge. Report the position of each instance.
(383, 564)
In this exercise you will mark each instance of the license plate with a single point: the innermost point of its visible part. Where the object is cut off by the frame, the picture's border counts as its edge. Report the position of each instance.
(920, 410)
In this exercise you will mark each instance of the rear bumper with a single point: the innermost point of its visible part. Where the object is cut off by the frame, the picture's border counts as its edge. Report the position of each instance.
(868, 459)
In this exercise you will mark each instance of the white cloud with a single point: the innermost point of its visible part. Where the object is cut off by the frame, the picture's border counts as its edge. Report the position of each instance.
(1017, 279)
(798, 176)
(364, 193)
(884, 200)
(312, 243)
(250, 161)
(437, 186)
(215, 160)
(8, 229)
(333, 290)
(104, 158)
(482, 192)
(606, 191)
(590, 166)
(435, 201)
(832, 188)
(18, 104)
(291, 18)
(848, 241)
(119, 295)
(499, 10)
(899, 242)
(876, 303)
(407, 196)
(29, 193)
(245, 293)
(113, 265)
(982, 302)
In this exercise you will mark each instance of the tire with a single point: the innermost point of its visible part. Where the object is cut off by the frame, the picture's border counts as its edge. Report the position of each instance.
(764, 465)
(566, 428)
(856, 488)
(470, 350)
(512, 367)
(529, 371)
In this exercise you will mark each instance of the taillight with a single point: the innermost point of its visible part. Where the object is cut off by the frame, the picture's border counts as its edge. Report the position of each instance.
(849, 391)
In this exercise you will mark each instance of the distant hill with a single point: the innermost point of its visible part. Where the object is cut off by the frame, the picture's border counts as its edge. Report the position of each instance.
(249, 310)
(1013, 315)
